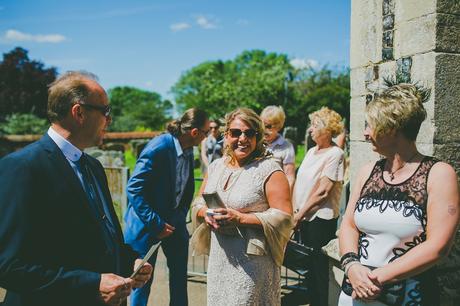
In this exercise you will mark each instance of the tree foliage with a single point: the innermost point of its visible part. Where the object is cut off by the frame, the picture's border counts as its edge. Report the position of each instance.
(23, 124)
(256, 79)
(23, 84)
(136, 109)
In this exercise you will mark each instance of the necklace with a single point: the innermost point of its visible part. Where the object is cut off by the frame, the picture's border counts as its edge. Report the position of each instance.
(392, 173)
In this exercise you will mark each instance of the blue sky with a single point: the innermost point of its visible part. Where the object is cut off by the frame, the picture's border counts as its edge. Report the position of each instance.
(149, 44)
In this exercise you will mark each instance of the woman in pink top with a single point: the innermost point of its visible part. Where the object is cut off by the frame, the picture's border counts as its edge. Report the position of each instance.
(316, 196)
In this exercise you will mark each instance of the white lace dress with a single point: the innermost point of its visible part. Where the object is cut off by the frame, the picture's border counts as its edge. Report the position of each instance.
(234, 277)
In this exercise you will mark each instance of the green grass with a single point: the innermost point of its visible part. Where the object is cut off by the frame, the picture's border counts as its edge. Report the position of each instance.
(130, 160)
(300, 155)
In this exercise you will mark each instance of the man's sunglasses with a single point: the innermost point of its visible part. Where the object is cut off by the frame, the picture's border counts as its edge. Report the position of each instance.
(235, 133)
(104, 109)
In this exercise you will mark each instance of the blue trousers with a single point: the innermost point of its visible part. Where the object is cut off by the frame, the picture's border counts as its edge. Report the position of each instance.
(175, 248)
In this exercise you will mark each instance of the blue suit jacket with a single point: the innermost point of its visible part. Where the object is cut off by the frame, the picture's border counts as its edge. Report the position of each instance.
(52, 250)
(152, 196)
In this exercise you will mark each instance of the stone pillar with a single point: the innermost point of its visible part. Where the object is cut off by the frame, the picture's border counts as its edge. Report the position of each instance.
(417, 40)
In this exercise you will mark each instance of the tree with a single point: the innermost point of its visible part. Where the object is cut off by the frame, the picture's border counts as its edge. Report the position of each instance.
(256, 79)
(253, 79)
(23, 84)
(136, 109)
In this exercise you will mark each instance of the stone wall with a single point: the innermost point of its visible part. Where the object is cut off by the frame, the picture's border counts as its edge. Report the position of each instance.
(417, 40)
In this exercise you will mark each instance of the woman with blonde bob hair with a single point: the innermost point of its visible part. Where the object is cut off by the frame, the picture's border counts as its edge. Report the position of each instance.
(273, 118)
(316, 196)
(251, 228)
(403, 213)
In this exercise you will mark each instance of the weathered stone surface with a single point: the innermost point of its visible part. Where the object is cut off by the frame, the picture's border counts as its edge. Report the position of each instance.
(366, 32)
(357, 106)
(357, 82)
(388, 22)
(447, 97)
(409, 9)
(387, 40)
(426, 148)
(403, 70)
(388, 7)
(448, 6)
(415, 36)
(448, 33)
(387, 54)
(360, 154)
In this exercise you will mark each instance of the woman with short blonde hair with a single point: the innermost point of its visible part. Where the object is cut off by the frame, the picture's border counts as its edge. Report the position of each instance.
(403, 213)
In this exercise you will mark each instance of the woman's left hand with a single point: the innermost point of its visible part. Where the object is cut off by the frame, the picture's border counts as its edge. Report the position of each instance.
(228, 216)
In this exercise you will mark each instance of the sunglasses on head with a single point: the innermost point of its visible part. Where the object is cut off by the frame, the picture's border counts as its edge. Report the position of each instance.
(235, 133)
(104, 109)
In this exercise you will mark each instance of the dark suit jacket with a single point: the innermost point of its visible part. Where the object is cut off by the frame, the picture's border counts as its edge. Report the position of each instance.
(52, 250)
(152, 194)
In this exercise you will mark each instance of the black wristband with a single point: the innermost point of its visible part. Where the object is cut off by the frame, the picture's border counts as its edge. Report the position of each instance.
(348, 256)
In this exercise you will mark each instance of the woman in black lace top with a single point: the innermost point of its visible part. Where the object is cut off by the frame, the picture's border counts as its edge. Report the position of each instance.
(403, 213)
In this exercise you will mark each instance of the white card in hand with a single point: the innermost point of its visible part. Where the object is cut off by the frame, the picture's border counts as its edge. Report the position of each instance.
(152, 250)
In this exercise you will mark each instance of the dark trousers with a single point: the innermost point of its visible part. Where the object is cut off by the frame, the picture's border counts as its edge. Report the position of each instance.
(175, 248)
(316, 234)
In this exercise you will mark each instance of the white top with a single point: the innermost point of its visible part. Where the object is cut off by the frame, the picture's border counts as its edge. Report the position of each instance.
(315, 166)
(283, 151)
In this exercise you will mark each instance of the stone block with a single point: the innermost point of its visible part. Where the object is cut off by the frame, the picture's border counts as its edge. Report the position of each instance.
(388, 22)
(410, 9)
(448, 33)
(387, 40)
(388, 7)
(426, 148)
(366, 32)
(447, 95)
(448, 6)
(450, 153)
(403, 69)
(357, 82)
(415, 36)
(357, 111)
(427, 131)
(386, 70)
(360, 154)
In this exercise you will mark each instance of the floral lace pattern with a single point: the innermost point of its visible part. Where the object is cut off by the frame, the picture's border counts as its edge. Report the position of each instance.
(392, 219)
(235, 278)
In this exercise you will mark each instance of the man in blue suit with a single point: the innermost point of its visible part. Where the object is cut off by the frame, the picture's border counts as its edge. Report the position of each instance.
(160, 192)
(60, 240)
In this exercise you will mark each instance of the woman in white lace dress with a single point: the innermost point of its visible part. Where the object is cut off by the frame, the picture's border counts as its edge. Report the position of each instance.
(249, 236)
(403, 213)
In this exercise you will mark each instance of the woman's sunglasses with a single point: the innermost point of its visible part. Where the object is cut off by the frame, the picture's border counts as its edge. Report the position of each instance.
(235, 133)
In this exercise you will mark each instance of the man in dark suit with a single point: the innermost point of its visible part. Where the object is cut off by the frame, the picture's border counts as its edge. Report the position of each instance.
(60, 241)
(160, 192)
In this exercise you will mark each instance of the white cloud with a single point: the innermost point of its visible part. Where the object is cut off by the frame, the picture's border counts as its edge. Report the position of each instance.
(303, 63)
(206, 23)
(14, 35)
(176, 27)
(149, 84)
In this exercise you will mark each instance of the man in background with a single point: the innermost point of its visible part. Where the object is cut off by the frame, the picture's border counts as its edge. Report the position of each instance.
(160, 192)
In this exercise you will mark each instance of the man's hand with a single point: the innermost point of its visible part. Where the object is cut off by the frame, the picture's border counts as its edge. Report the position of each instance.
(114, 289)
(168, 230)
(144, 274)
